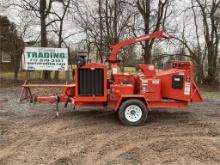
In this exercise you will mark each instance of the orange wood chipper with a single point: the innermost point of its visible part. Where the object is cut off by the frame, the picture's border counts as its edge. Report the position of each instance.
(132, 96)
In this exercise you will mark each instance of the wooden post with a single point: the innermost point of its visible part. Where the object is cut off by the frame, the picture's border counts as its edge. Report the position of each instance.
(27, 75)
(67, 72)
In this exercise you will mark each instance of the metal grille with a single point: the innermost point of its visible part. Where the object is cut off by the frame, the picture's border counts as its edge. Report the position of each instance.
(91, 82)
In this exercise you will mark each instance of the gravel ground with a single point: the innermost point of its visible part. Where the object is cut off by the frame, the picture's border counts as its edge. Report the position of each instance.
(31, 134)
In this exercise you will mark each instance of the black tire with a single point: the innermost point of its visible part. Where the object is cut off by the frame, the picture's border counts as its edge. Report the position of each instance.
(128, 104)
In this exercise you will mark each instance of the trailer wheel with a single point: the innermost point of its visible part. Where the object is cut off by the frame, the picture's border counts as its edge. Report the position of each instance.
(133, 112)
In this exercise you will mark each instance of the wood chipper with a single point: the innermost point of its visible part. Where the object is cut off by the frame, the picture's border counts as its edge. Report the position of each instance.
(132, 96)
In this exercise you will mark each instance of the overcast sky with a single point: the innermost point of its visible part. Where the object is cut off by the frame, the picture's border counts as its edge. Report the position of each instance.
(70, 27)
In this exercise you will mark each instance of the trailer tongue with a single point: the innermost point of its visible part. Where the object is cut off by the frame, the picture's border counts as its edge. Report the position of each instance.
(131, 95)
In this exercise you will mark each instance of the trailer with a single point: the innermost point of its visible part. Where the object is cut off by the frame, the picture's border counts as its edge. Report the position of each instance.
(132, 96)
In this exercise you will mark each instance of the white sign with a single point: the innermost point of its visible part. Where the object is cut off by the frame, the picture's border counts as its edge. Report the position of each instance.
(187, 88)
(40, 58)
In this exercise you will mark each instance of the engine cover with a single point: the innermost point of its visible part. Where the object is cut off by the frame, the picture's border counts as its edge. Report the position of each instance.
(91, 83)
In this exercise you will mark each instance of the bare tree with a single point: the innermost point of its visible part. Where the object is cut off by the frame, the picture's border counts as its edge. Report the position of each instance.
(104, 24)
(57, 23)
(44, 11)
(11, 42)
(195, 50)
(205, 24)
(209, 11)
(41, 9)
(101, 30)
(153, 21)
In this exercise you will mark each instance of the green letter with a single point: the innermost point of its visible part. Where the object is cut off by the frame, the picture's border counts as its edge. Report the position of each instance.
(56, 55)
(29, 54)
(46, 55)
(62, 55)
(34, 54)
(40, 55)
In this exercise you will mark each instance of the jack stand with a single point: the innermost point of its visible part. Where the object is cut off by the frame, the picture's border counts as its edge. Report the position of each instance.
(57, 110)
(65, 105)
(57, 107)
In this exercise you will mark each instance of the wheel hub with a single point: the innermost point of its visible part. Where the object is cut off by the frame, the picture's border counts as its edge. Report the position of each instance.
(133, 113)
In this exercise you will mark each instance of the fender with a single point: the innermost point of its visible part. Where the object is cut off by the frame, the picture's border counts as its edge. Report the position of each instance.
(125, 97)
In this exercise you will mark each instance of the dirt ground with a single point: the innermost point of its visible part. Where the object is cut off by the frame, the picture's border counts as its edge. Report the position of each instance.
(31, 134)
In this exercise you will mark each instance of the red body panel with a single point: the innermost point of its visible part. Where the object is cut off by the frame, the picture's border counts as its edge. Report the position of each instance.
(166, 85)
(148, 70)
(118, 90)
(103, 98)
(153, 91)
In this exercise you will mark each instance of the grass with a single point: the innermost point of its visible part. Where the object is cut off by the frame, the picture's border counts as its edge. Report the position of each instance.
(130, 69)
(33, 75)
(211, 95)
(21, 75)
